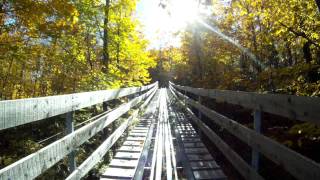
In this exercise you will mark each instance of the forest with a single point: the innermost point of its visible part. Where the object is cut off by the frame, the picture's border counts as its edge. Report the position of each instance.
(59, 47)
(54, 47)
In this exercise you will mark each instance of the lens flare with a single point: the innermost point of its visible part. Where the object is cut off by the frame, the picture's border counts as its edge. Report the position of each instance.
(232, 41)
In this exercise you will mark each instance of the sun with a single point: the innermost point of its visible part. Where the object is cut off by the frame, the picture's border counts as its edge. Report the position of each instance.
(183, 12)
(163, 23)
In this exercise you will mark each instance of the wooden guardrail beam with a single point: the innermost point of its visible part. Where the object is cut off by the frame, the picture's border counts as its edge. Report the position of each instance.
(98, 154)
(36, 163)
(234, 158)
(17, 112)
(292, 107)
(299, 166)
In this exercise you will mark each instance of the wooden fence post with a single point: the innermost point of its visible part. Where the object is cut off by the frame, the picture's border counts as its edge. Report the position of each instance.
(199, 116)
(105, 132)
(114, 147)
(257, 127)
(70, 129)
(185, 97)
(199, 112)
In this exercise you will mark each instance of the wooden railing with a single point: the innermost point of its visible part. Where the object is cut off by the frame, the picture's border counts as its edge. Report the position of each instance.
(18, 112)
(293, 107)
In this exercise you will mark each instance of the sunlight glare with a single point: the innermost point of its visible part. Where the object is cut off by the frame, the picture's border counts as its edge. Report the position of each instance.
(183, 12)
(163, 24)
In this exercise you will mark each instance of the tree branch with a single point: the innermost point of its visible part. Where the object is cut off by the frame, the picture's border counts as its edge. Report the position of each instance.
(300, 34)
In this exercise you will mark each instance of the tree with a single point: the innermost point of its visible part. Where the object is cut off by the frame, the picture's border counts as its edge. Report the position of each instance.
(55, 47)
(282, 35)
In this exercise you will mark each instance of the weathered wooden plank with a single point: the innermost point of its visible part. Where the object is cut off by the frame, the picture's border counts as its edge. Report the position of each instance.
(243, 168)
(133, 143)
(299, 166)
(173, 153)
(115, 178)
(143, 125)
(124, 163)
(144, 154)
(118, 173)
(155, 150)
(17, 112)
(167, 141)
(204, 164)
(159, 157)
(152, 115)
(255, 156)
(180, 148)
(196, 150)
(193, 145)
(197, 157)
(141, 128)
(188, 132)
(209, 174)
(130, 149)
(185, 135)
(130, 138)
(98, 154)
(126, 148)
(186, 127)
(138, 134)
(139, 131)
(293, 107)
(69, 129)
(127, 155)
(51, 154)
(185, 139)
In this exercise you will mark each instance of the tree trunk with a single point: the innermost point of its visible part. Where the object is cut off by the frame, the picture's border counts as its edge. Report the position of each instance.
(198, 54)
(274, 56)
(307, 52)
(88, 56)
(105, 59)
(318, 57)
(289, 55)
(5, 80)
(254, 42)
(318, 4)
(118, 43)
(242, 63)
